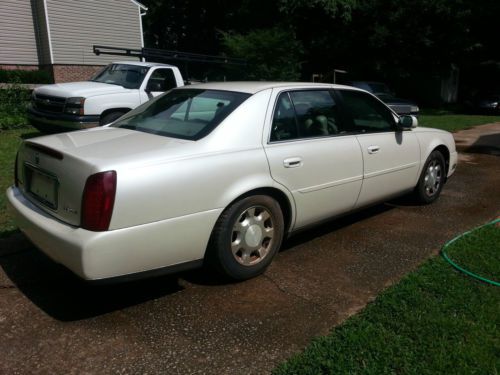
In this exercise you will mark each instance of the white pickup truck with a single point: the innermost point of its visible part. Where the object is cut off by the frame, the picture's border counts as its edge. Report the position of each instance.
(117, 89)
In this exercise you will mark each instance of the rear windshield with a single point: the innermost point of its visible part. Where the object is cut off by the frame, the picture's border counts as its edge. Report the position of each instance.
(185, 113)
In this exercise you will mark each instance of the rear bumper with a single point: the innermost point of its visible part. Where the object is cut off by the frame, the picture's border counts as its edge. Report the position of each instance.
(116, 253)
(54, 122)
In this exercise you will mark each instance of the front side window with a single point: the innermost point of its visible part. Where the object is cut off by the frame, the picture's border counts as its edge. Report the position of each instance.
(367, 113)
(184, 113)
(128, 76)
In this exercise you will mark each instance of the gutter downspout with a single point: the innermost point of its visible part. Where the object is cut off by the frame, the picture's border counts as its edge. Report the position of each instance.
(142, 32)
(48, 32)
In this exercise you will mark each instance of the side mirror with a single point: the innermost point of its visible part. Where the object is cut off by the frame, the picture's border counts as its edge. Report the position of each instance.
(408, 122)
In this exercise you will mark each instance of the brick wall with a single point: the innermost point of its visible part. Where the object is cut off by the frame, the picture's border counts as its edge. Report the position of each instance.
(73, 73)
(18, 67)
(61, 73)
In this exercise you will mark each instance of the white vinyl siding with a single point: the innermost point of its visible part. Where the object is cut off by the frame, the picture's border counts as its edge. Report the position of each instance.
(75, 26)
(17, 33)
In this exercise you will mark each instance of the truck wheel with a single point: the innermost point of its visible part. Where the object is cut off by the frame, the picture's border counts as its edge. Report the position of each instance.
(110, 117)
(246, 237)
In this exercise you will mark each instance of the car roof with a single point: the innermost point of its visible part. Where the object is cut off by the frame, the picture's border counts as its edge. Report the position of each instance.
(143, 63)
(250, 87)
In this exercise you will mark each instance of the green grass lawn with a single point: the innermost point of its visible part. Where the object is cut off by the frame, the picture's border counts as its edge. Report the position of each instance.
(455, 122)
(435, 321)
(9, 142)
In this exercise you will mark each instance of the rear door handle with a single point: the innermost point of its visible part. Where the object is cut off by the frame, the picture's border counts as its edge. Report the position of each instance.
(373, 149)
(292, 162)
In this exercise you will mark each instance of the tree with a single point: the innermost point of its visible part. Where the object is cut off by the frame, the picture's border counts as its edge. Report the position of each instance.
(272, 54)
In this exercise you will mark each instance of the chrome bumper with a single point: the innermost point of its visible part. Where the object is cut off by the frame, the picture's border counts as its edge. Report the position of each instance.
(59, 121)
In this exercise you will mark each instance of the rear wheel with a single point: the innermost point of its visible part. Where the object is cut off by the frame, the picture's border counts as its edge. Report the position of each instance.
(246, 237)
(110, 117)
(432, 179)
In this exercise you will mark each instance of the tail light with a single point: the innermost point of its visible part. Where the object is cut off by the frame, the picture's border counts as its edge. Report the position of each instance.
(98, 200)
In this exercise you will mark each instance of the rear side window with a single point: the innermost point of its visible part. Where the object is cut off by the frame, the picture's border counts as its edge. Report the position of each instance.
(317, 113)
(368, 115)
(305, 114)
(184, 113)
(284, 123)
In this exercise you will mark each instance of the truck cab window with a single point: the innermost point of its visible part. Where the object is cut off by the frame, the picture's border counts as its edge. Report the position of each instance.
(162, 80)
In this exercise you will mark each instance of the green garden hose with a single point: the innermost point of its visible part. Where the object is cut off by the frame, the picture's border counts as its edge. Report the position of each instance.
(447, 258)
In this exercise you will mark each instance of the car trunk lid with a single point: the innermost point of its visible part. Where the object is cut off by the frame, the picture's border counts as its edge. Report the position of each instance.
(52, 170)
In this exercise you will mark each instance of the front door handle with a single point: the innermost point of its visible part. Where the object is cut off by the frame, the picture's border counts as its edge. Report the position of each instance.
(373, 149)
(292, 162)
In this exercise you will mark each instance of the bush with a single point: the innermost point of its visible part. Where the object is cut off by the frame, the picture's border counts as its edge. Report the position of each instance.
(14, 100)
(25, 76)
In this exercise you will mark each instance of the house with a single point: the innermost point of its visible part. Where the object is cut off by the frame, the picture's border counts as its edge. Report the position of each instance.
(58, 35)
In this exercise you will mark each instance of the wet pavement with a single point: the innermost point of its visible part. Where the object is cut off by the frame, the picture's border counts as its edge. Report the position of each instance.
(191, 323)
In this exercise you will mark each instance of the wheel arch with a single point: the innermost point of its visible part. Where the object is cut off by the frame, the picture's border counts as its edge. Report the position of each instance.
(284, 200)
(111, 110)
(446, 154)
(281, 197)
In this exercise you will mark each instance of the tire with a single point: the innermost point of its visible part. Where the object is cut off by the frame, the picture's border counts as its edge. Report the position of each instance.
(432, 179)
(246, 237)
(110, 117)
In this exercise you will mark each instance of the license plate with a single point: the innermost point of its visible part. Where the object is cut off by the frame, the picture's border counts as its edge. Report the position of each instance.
(42, 186)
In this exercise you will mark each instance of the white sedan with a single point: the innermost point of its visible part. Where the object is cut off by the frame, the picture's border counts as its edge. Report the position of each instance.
(218, 174)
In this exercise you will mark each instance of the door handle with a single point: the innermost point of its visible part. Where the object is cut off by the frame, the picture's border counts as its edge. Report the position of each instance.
(373, 149)
(292, 162)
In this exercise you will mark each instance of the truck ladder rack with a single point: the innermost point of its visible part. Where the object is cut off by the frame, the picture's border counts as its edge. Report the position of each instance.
(157, 55)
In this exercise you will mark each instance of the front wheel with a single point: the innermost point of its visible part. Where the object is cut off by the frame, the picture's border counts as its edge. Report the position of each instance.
(432, 179)
(246, 237)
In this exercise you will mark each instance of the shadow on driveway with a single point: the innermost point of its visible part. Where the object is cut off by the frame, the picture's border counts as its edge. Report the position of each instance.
(65, 297)
(486, 144)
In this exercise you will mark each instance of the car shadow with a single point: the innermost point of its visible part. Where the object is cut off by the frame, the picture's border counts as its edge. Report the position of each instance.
(332, 225)
(65, 297)
(208, 278)
(486, 144)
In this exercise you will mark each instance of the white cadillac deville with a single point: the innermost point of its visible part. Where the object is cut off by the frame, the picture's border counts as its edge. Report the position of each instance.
(218, 173)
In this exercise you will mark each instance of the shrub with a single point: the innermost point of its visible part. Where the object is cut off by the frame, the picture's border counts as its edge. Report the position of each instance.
(14, 100)
(25, 76)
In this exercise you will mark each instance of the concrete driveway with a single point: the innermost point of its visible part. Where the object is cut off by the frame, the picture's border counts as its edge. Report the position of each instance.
(51, 323)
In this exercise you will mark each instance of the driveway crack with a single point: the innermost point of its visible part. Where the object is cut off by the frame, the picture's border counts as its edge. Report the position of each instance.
(291, 294)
